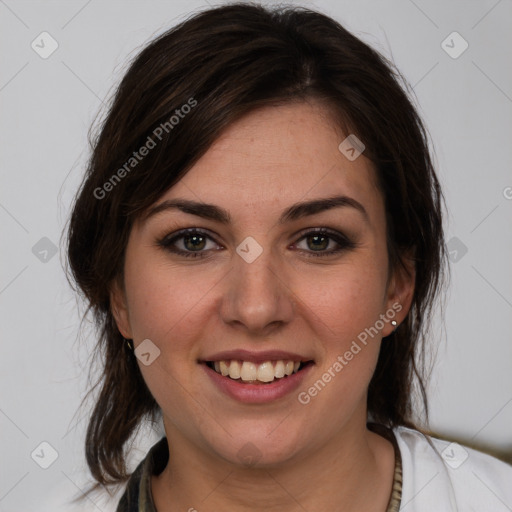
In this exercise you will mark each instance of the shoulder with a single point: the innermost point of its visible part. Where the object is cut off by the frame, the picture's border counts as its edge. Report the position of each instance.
(443, 476)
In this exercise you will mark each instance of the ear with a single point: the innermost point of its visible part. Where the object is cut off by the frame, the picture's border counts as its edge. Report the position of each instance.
(400, 292)
(119, 308)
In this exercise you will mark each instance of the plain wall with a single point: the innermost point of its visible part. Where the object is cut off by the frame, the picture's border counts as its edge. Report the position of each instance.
(47, 107)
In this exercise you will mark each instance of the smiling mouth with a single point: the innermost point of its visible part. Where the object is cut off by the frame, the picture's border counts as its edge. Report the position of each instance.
(253, 373)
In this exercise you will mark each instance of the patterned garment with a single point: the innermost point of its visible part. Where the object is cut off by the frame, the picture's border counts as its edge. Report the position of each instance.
(138, 497)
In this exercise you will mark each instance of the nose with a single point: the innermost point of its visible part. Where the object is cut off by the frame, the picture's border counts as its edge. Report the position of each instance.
(257, 299)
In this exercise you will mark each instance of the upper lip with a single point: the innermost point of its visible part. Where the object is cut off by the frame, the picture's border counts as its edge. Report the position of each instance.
(255, 357)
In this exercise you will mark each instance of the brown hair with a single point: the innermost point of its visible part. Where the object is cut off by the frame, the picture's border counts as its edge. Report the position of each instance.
(229, 61)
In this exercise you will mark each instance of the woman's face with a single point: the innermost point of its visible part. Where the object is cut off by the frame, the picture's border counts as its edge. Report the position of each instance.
(269, 275)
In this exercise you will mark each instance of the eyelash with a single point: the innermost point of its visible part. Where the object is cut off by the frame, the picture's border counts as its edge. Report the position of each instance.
(342, 240)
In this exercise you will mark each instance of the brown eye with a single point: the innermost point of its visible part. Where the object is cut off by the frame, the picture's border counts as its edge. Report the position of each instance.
(189, 243)
(325, 242)
(318, 242)
(194, 242)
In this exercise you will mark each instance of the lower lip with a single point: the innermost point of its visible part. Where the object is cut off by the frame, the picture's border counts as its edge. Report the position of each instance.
(257, 393)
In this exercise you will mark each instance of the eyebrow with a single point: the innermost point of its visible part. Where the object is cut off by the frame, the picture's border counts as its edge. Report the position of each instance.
(294, 212)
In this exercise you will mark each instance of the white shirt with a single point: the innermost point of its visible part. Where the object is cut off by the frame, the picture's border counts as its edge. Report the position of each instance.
(450, 477)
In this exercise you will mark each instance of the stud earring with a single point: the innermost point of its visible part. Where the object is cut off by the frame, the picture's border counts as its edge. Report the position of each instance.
(394, 323)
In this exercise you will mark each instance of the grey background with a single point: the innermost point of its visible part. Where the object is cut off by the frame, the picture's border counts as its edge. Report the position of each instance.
(47, 108)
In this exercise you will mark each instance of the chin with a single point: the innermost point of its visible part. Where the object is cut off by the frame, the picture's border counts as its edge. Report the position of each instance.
(258, 447)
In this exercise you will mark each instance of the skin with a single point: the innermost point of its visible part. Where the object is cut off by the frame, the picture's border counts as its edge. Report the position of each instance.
(312, 456)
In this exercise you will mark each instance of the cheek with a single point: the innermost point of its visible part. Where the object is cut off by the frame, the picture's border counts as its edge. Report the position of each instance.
(166, 304)
(347, 299)
(163, 298)
(343, 308)
(343, 320)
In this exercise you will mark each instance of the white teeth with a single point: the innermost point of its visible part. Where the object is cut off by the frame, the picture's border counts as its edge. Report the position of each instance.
(224, 368)
(250, 372)
(234, 370)
(266, 372)
(279, 370)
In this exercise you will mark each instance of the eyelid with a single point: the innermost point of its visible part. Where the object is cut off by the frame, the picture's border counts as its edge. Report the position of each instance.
(319, 229)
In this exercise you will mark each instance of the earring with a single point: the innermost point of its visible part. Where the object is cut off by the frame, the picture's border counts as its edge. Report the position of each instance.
(129, 344)
(394, 323)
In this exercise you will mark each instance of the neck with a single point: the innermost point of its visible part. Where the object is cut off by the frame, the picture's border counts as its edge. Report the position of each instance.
(353, 472)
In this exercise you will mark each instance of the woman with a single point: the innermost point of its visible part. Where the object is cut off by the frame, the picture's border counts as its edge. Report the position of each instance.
(259, 235)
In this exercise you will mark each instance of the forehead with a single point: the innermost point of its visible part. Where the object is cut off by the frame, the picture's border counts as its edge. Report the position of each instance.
(275, 156)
